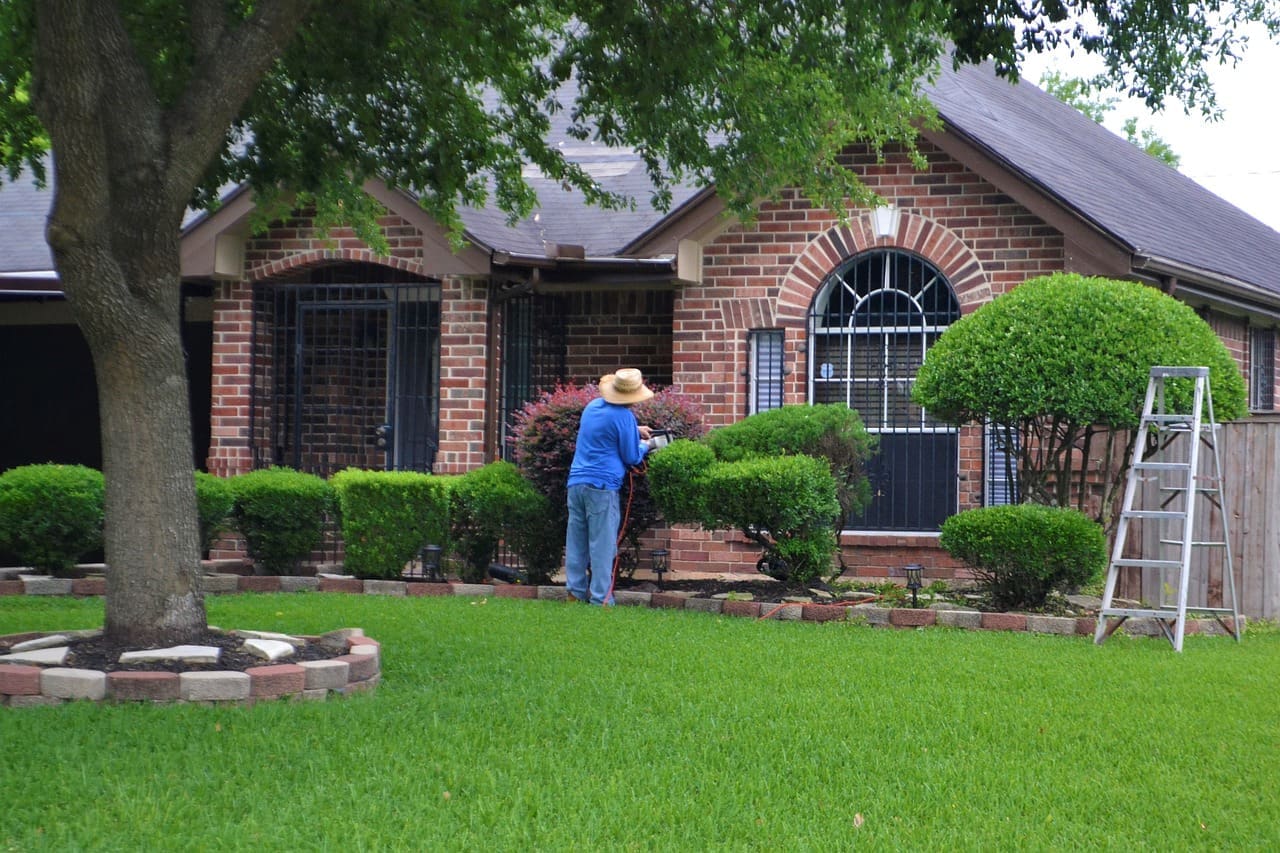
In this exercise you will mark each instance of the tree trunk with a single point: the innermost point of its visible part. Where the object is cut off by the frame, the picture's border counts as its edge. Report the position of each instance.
(151, 538)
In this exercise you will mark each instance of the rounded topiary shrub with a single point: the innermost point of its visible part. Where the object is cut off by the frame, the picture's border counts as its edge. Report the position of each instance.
(674, 480)
(1022, 554)
(214, 503)
(281, 513)
(387, 516)
(51, 514)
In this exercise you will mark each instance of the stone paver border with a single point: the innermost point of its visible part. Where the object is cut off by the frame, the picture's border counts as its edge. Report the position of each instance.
(360, 669)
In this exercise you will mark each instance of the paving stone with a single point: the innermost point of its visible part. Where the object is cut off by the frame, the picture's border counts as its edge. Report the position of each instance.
(88, 586)
(385, 587)
(269, 649)
(632, 598)
(1004, 621)
(822, 612)
(187, 653)
(45, 642)
(473, 589)
(12, 587)
(44, 585)
(67, 683)
(788, 612)
(555, 593)
(1051, 624)
(515, 590)
(271, 635)
(330, 583)
(670, 600)
(219, 583)
(870, 614)
(221, 686)
(39, 700)
(704, 605)
(430, 589)
(299, 583)
(266, 682)
(315, 695)
(325, 674)
(738, 607)
(17, 680)
(970, 619)
(258, 583)
(907, 617)
(44, 657)
(143, 686)
(363, 667)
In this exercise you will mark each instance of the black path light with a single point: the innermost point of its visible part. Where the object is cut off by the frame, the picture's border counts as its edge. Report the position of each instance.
(914, 582)
(659, 557)
(431, 562)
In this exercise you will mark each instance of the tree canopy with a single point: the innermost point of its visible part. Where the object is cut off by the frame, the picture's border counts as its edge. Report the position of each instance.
(150, 106)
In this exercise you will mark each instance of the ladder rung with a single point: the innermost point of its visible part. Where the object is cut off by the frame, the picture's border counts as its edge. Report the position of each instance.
(1153, 513)
(1162, 466)
(1147, 564)
(1129, 611)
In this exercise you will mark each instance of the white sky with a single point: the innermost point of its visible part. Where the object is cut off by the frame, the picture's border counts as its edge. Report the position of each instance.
(1238, 158)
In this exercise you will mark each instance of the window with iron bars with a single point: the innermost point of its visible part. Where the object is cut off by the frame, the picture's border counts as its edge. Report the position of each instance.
(533, 353)
(764, 370)
(1262, 369)
(872, 322)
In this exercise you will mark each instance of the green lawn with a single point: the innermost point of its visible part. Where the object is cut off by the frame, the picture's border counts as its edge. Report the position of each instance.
(505, 725)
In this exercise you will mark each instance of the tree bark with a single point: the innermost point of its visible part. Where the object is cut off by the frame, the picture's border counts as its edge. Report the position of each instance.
(125, 168)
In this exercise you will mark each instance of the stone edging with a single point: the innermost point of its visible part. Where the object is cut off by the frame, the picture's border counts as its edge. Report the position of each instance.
(360, 669)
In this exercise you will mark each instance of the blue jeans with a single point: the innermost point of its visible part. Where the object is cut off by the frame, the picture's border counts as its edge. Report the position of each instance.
(591, 540)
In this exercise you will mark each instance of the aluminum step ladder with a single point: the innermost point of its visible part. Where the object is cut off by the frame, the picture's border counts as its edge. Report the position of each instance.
(1169, 482)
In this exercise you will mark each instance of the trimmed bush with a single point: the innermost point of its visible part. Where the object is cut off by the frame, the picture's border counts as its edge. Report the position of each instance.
(494, 504)
(387, 516)
(1062, 362)
(675, 480)
(51, 514)
(1023, 553)
(832, 431)
(281, 514)
(214, 504)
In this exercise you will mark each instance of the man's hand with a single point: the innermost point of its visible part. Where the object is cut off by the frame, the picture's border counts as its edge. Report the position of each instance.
(646, 432)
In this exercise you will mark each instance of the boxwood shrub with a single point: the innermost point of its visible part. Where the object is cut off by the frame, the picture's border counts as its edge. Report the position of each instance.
(495, 504)
(214, 504)
(281, 513)
(1021, 554)
(50, 515)
(387, 516)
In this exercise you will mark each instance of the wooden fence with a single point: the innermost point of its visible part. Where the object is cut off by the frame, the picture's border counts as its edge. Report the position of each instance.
(1249, 451)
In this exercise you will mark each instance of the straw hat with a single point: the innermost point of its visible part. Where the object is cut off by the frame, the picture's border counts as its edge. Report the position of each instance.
(625, 386)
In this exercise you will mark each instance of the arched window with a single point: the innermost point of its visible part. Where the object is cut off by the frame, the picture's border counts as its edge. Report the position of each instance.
(872, 321)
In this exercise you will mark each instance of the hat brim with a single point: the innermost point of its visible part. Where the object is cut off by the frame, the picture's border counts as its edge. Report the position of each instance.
(612, 395)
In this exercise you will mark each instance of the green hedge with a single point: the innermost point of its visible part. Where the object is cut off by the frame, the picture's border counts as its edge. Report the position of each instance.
(494, 504)
(281, 514)
(1022, 554)
(215, 502)
(50, 515)
(387, 516)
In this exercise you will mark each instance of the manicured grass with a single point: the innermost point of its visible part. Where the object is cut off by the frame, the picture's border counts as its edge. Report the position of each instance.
(527, 725)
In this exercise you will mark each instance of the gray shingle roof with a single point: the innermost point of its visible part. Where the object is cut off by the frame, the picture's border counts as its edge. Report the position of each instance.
(24, 209)
(1143, 203)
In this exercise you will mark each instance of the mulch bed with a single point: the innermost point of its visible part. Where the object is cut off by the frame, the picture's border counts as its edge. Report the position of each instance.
(97, 653)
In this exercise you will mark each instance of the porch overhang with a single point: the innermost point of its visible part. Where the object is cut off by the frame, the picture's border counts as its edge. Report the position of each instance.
(563, 270)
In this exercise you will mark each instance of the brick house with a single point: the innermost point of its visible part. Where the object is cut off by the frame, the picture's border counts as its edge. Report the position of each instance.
(321, 354)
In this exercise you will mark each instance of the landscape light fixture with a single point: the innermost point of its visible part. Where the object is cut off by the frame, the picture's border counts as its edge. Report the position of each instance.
(914, 582)
(659, 557)
(431, 562)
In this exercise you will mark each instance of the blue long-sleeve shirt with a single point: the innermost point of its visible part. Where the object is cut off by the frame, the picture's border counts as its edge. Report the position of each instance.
(608, 443)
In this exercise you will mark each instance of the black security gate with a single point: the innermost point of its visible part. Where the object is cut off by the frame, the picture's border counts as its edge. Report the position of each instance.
(872, 323)
(345, 375)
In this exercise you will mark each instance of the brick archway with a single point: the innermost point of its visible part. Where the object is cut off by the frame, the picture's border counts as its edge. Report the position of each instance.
(934, 242)
(317, 257)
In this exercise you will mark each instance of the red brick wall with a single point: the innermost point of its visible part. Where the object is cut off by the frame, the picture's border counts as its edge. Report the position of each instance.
(606, 330)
